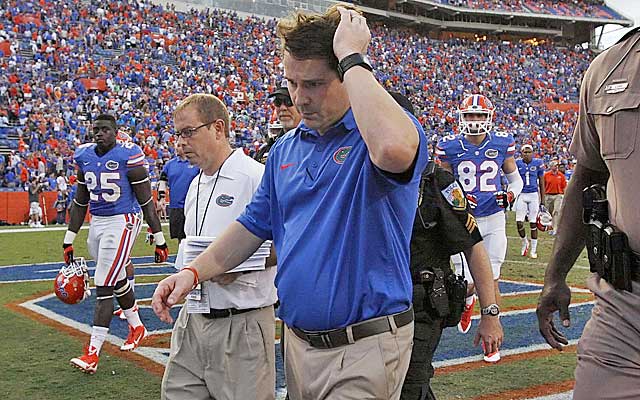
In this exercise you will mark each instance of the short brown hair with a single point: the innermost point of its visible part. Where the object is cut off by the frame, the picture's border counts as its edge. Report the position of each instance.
(208, 107)
(310, 35)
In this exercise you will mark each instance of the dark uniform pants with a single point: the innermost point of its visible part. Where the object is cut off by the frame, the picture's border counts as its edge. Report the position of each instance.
(426, 336)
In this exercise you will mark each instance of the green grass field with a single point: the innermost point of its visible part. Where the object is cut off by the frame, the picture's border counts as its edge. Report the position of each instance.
(34, 356)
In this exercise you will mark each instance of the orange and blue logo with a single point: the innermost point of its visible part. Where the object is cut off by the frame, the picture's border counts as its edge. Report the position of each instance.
(341, 154)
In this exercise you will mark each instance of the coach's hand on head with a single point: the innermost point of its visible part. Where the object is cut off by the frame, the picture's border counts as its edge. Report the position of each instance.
(169, 292)
(352, 34)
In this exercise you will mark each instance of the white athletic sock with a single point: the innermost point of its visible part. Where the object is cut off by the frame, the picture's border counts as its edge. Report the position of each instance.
(133, 318)
(524, 240)
(98, 335)
(469, 300)
(534, 245)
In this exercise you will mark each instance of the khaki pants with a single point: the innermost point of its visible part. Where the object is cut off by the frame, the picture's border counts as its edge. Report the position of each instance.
(553, 202)
(371, 368)
(608, 362)
(223, 359)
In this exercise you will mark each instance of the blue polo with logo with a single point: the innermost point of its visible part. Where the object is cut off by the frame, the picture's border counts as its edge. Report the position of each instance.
(340, 225)
(179, 174)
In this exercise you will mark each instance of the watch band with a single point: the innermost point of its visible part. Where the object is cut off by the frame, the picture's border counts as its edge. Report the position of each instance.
(491, 309)
(350, 61)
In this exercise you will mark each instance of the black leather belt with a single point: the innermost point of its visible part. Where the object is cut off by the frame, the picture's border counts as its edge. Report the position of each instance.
(214, 313)
(338, 337)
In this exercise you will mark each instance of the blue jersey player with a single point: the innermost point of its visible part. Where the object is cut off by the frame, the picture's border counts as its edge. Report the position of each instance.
(476, 157)
(529, 202)
(176, 176)
(114, 184)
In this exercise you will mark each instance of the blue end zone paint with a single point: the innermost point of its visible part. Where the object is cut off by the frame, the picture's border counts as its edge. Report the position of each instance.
(512, 287)
(521, 330)
(83, 312)
(48, 271)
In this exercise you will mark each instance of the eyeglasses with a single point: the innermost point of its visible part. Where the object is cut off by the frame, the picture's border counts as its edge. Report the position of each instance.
(188, 132)
(278, 101)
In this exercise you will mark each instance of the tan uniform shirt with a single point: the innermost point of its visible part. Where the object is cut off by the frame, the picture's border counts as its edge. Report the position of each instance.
(606, 135)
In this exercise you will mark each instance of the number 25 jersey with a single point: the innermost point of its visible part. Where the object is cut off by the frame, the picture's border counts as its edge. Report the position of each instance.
(110, 192)
(477, 168)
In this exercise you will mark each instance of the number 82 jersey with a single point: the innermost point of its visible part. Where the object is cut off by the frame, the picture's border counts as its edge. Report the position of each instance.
(477, 168)
(110, 192)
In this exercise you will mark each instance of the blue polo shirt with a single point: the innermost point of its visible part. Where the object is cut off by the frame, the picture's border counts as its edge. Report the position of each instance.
(179, 174)
(340, 225)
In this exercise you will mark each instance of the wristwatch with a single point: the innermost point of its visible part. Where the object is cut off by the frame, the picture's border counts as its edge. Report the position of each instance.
(353, 60)
(491, 309)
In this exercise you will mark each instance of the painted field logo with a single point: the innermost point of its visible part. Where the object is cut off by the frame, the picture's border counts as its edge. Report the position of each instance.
(224, 200)
(341, 154)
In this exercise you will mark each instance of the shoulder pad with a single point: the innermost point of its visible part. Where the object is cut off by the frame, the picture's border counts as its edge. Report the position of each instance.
(80, 150)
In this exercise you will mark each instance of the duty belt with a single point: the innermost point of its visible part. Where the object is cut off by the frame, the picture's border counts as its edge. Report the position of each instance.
(340, 337)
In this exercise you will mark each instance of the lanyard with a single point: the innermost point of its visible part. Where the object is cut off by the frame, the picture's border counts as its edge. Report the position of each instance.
(199, 232)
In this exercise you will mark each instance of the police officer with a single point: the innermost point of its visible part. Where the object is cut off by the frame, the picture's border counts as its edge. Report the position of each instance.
(604, 143)
(288, 118)
(443, 227)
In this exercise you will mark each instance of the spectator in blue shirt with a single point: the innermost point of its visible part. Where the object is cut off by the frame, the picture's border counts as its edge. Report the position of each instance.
(176, 176)
(338, 198)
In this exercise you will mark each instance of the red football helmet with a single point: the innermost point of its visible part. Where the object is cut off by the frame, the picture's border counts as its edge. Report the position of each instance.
(72, 282)
(544, 221)
(475, 104)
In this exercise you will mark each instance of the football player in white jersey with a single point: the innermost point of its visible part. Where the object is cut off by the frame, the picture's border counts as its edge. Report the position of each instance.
(475, 157)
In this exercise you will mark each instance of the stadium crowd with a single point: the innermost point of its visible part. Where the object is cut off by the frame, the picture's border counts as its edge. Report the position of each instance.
(575, 8)
(149, 57)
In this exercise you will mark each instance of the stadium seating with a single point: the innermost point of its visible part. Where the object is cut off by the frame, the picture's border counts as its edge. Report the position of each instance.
(148, 58)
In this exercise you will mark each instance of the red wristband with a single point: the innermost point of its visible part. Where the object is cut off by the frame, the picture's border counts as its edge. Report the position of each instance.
(196, 278)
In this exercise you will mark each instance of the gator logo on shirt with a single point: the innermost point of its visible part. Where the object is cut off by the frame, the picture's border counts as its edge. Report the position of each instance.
(491, 153)
(341, 154)
(112, 165)
(224, 200)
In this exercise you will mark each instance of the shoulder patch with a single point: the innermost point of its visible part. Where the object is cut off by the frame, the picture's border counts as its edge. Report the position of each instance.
(454, 195)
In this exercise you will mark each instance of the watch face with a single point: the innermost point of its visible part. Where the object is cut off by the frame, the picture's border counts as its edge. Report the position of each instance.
(491, 310)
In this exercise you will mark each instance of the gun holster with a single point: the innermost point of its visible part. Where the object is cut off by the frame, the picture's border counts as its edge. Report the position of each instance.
(607, 246)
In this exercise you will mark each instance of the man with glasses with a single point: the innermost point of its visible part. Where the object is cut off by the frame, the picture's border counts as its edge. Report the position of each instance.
(288, 118)
(113, 181)
(223, 342)
(531, 199)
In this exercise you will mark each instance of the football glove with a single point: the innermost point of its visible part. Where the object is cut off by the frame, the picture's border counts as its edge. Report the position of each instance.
(504, 199)
(473, 201)
(67, 253)
(161, 253)
(149, 238)
(543, 208)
